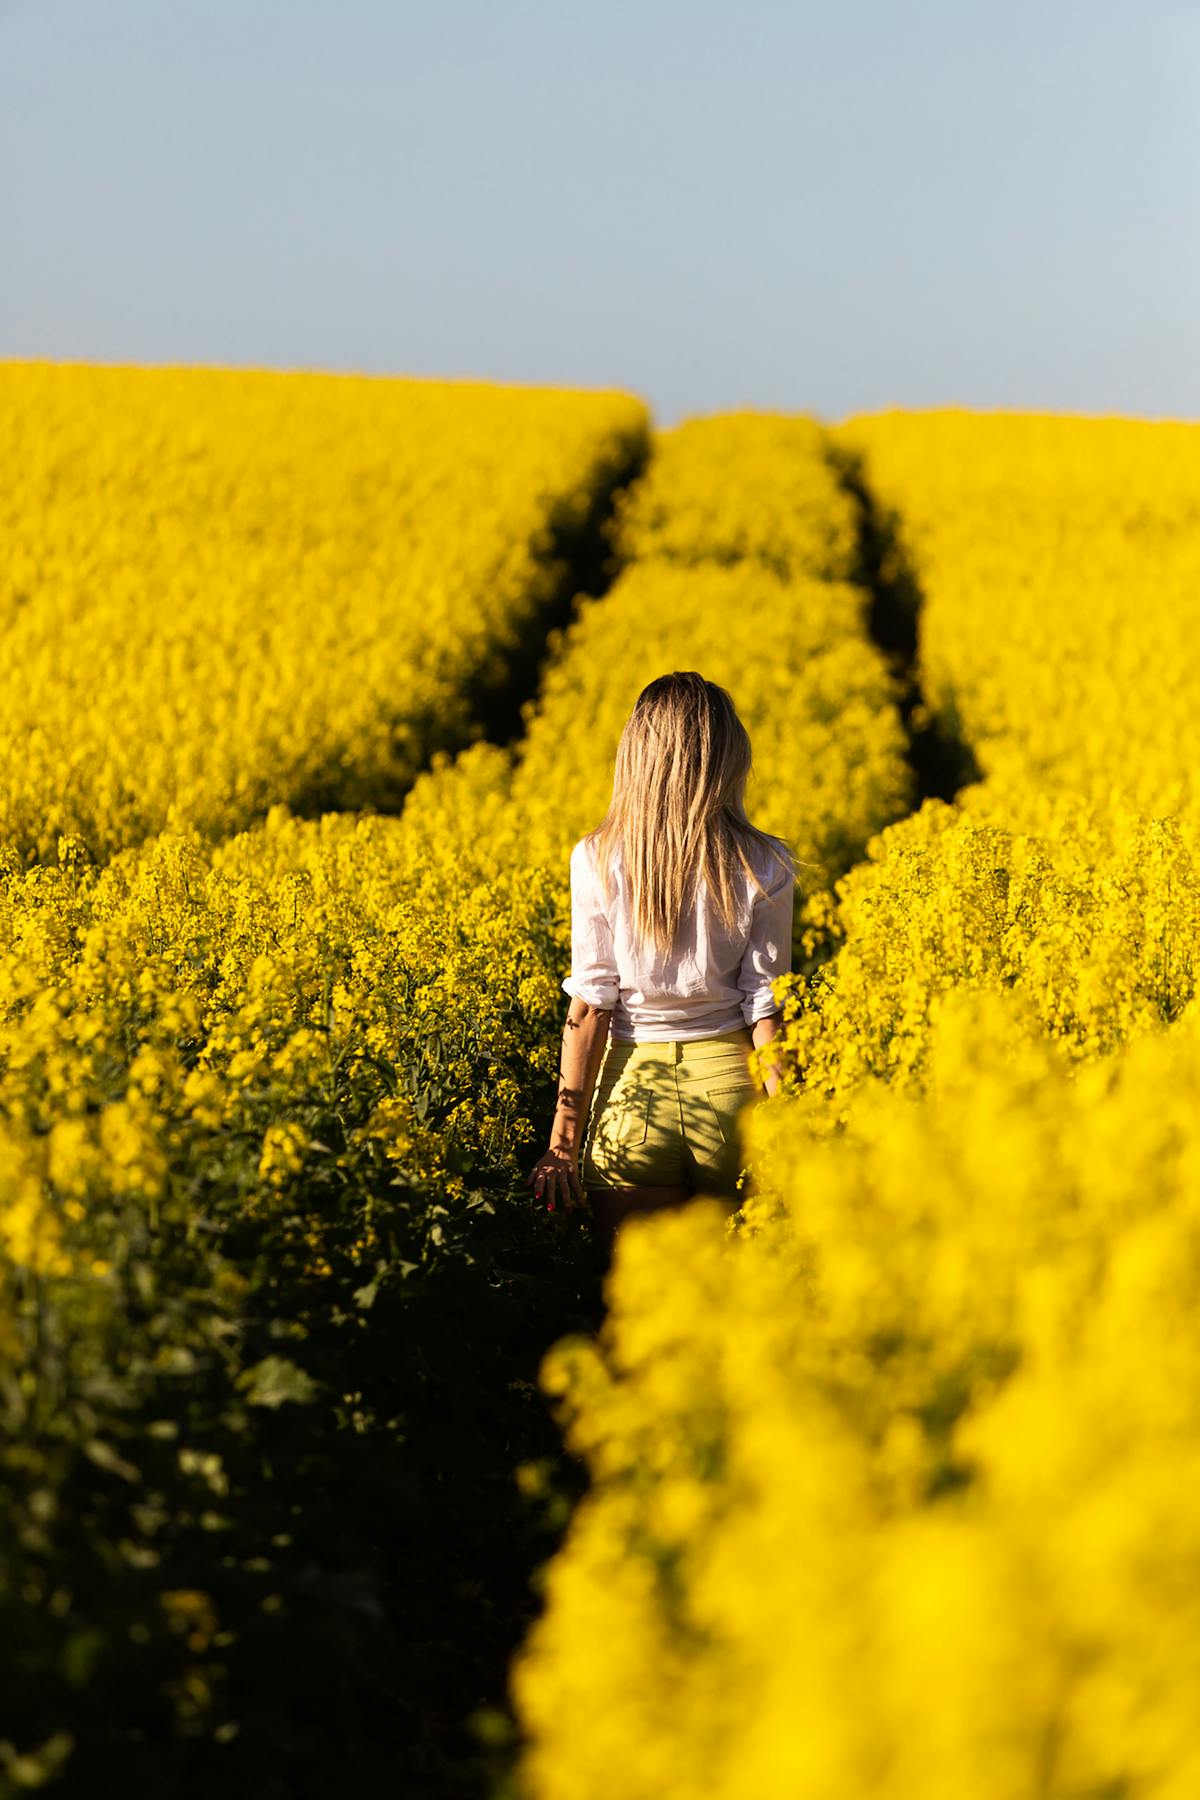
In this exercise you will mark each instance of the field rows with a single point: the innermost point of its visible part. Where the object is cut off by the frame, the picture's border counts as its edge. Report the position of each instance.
(881, 1478)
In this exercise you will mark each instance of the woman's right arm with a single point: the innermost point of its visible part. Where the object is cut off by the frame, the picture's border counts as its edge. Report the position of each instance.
(767, 956)
(594, 986)
(764, 1031)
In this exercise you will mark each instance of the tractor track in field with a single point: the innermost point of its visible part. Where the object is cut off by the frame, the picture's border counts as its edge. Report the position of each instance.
(942, 761)
(542, 1292)
(588, 568)
(566, 1294)
(578, 560)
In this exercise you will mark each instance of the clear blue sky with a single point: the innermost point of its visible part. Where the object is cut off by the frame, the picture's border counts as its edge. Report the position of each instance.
(772, 203)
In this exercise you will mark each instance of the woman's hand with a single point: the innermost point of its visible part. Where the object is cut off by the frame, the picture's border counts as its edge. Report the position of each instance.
(555, 1177)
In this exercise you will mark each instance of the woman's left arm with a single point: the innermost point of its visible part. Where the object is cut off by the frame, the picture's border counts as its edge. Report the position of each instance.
(555, 1175)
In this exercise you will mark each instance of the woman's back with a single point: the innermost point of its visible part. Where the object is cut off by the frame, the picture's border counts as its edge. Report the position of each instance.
(714, 978)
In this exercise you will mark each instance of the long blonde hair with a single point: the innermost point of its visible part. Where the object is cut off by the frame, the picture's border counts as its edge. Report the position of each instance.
(678, 807)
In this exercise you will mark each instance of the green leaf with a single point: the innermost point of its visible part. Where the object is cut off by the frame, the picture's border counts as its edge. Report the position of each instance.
(105, 1457)
(274, 1380)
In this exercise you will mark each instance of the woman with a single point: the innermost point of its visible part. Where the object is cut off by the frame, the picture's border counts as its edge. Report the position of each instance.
(681, 918)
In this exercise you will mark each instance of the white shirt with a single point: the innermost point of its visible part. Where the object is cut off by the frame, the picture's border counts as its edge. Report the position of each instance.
(712, 982)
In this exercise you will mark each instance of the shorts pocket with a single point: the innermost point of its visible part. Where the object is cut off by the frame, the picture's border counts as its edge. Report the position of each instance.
(637, 1120)
(728, 1099)
(624, 1121)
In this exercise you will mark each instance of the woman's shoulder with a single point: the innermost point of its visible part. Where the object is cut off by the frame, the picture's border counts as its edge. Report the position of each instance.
(584, 862)
(583, 852)
(768, 853)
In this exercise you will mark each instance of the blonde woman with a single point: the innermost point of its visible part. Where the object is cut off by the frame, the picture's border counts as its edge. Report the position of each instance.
(681, 919)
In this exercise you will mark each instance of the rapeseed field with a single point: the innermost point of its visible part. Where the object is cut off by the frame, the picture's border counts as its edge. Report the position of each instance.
(876, 1489)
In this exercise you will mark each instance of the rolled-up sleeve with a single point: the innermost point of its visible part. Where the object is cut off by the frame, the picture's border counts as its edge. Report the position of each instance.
(593, 976)
(768, 952)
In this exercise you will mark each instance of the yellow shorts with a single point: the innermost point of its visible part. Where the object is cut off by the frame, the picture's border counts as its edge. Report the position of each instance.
(668, 1114)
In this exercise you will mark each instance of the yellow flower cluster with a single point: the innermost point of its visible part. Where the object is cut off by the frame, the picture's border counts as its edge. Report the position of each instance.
(226, 588)
(886, 1492)
(1058, 559)
(741, 487)
(1095, 920)
(1054, 556)
(189, 998)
